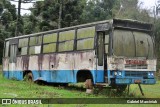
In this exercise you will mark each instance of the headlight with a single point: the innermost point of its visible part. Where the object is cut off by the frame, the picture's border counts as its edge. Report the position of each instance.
(149, 73)
(120, 73)
(115, 73)
(152, 74)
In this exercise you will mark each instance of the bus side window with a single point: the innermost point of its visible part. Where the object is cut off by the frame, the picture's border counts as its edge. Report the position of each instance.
(66, 40)
(49, 43)
(23, 46)
(13, 51)
(85, 38)
(35, 45)
(6, 49)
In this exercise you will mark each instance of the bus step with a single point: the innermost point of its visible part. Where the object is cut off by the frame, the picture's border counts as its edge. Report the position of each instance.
(106, 79)
(101, 85)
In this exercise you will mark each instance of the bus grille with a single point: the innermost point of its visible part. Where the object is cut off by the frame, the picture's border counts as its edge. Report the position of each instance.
(136, 66)
(136, 74)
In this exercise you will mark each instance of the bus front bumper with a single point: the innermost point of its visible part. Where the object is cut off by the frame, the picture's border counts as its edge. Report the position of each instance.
(134, 81)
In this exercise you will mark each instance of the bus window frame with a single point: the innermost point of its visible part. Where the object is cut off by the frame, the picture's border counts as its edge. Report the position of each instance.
(10, 58)
(18, 55)
(94, 37)
(41, 44)
(57, 42)
(5, 49)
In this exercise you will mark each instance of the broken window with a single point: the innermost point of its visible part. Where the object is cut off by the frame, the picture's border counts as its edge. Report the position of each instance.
(23, 46)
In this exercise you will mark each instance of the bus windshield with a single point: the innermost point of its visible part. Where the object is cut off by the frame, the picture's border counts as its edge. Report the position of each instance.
(132, 44)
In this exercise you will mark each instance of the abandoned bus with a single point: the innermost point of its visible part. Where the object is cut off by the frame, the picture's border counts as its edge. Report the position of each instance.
(114, 52)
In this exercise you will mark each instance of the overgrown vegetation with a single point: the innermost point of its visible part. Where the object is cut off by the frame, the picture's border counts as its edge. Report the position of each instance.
(24, 89)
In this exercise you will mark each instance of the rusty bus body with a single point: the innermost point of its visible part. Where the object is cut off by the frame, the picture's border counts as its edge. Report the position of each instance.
(116, 52)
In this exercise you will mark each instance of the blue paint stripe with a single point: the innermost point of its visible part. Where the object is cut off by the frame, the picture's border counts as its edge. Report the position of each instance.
(100, 76)
(69, 76)
(55, 76)
(13, 75)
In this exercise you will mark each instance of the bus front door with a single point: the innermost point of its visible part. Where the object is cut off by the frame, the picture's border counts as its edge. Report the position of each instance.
(100, 57)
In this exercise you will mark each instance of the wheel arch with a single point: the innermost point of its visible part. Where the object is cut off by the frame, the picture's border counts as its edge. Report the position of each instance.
(83, 74)
(25, 72)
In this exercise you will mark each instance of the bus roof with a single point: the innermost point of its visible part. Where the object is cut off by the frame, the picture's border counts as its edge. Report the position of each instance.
(111, 21)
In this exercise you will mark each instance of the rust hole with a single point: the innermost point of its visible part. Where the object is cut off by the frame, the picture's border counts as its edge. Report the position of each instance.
(141, 42)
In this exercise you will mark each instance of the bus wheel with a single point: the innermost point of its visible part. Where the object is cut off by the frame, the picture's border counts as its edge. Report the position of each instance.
(121, 88)
(28, 77)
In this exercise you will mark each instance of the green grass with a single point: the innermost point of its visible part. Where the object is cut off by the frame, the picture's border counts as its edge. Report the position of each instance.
(22, 89)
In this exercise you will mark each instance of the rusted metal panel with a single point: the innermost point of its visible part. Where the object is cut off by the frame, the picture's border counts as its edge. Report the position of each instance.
(84, 60)
(25, 62)
(152, 64)
(12, 67)
(67, 61)
(19, 63)
(53, 61)
(5, 64)
(45, 62)
(63, 62)
(33, 62)
(135, 64)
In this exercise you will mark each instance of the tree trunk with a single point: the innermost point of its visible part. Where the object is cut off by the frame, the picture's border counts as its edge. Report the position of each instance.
(18, 18)
(60, 15)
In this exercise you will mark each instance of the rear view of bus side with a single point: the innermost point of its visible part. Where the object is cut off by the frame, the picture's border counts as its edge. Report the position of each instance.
(113, 52)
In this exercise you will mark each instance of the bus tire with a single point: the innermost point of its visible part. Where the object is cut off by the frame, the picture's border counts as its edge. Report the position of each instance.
(28, 77)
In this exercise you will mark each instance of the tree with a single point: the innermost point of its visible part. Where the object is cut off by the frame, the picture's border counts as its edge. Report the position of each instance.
(7, 22)
(96, 10)
(52, 14)
(130, 9)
